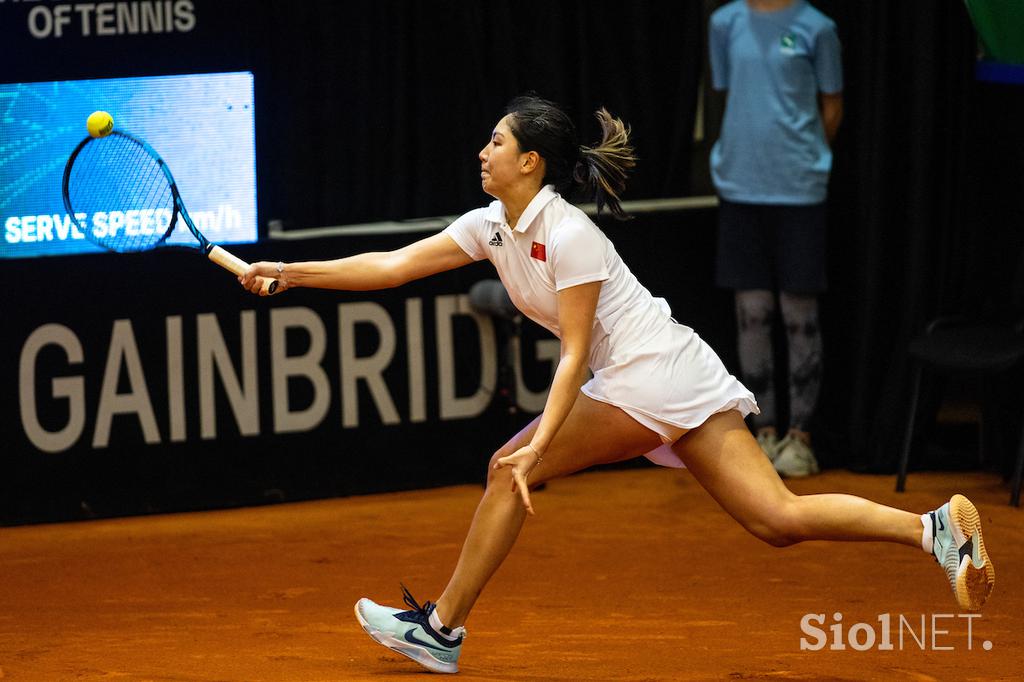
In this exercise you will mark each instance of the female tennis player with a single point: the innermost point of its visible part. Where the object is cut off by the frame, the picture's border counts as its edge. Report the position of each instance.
(657, 388)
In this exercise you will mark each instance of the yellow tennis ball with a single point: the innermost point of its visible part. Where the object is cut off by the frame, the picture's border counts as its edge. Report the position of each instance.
(99, 124)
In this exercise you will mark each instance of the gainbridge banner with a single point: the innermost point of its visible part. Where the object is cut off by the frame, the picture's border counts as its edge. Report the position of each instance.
(152, 382)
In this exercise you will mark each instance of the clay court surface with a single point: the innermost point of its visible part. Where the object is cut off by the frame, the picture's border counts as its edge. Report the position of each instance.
(623, 575)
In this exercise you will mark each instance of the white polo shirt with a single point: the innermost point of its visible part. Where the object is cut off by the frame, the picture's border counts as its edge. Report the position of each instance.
(555, 246)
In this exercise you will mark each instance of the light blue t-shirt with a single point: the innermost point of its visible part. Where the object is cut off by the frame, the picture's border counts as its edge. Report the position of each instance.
(772, 148)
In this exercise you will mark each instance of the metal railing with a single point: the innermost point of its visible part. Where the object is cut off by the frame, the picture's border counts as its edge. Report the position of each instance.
(275, 228)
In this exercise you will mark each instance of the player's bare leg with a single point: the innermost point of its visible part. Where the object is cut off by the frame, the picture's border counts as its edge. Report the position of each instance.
(727, 461)
(593, 433)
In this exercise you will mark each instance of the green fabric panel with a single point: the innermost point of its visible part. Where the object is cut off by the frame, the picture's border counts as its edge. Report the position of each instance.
(1000, 26)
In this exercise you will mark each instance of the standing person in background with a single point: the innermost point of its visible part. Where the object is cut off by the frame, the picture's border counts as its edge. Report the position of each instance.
(779, 61)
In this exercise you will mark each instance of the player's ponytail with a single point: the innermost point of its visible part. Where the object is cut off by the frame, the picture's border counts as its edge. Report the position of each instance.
(602, 170)
(597, 173)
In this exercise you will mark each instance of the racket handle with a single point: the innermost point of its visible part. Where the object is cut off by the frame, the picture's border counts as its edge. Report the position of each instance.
(233, 263)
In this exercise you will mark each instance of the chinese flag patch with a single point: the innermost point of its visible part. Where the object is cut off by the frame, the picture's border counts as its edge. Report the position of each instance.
(537, 251)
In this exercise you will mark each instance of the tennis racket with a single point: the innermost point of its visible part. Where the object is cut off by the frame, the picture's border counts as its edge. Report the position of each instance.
(122, 196)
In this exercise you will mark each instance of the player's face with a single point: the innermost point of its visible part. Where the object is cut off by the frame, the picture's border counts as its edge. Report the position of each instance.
(500, 161)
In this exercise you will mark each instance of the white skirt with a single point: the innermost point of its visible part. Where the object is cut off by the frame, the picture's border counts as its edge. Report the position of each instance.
(670, 381)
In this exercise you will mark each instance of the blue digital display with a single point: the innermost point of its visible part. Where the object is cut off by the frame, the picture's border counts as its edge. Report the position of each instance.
(202, 125)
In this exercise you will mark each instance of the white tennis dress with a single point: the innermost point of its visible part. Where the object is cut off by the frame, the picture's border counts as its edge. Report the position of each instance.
(658, 371)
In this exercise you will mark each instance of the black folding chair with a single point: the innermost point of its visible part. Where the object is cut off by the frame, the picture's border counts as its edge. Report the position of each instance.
(980, 349)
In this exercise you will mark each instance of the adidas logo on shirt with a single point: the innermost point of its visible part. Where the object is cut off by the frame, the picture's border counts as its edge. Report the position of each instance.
(497, 240)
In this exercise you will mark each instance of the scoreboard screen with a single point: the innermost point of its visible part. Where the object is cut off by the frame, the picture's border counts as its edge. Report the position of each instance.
(202, 125)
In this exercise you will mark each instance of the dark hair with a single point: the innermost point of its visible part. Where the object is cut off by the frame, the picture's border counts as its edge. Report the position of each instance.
(599, 172)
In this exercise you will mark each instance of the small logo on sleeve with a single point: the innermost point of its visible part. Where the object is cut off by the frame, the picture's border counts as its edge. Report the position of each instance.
(788, 44)
(497, 240)
(537, 251)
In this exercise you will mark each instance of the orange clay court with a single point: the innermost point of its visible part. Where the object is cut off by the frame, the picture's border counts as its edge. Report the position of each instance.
(623, 575)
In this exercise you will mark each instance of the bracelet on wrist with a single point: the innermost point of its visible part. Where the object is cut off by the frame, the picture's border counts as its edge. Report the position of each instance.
(540, 457)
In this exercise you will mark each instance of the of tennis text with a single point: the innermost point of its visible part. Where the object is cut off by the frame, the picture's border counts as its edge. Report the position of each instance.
(939, 632)
(87, 19)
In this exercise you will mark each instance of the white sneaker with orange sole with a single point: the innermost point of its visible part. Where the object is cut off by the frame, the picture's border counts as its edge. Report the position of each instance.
(958, 547)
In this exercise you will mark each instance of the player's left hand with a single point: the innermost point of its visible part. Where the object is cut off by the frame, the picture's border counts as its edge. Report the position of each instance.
(252, 279)
(522, 461)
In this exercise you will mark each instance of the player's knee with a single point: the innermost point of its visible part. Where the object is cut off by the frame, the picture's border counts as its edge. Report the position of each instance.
(502, 476)
(780, 527)
(774, 536)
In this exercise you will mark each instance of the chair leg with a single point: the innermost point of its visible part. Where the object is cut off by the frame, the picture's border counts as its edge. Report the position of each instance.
(1017, 471)
(915, 389)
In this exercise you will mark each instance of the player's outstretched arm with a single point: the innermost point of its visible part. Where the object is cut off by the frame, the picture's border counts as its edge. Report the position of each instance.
(366, 271)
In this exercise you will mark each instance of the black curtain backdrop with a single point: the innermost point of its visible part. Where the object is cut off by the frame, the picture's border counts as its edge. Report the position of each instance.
(377, 110)
(925, 210)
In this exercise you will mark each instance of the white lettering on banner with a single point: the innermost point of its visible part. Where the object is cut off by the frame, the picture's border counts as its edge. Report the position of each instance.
(452, 406)
(416, 356)
(148, 222)
(152, 18)
(113, 18)
(175, 379)
(44, 22)
(242, 395)
(38, 228)
(285, 367)
(105, 19)
(84, 10)
(136, 400)
(71, 388)
(66, 228)
(128, 17)
(184, 16)
(134, 222)
(369, 368)
(548, 350)
(44, 228)
(235, 367)
(226, 217)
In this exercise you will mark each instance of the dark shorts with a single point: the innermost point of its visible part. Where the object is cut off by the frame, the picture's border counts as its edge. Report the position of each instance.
(775, 247)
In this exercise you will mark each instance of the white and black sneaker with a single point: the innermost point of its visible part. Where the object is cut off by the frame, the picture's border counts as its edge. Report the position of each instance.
(410, 633)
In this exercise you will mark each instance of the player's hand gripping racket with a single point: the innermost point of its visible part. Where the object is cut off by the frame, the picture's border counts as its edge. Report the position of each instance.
(124, 178)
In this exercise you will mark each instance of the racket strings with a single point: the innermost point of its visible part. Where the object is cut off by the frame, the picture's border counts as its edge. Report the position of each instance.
(149, 186)
(122, 191)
